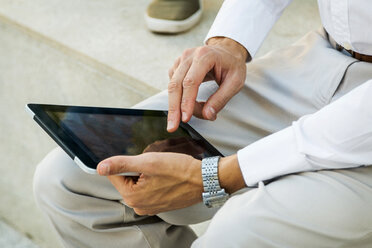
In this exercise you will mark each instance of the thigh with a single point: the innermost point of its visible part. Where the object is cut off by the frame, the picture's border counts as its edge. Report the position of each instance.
(313, 209)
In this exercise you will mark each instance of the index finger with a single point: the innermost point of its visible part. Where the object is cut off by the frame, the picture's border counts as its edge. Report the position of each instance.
(174, 96)
(199, 69)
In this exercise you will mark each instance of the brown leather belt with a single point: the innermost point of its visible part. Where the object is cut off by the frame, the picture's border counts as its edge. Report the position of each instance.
(358, 56)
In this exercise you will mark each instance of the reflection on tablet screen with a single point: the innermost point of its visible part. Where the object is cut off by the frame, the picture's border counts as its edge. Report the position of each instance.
(105, 135)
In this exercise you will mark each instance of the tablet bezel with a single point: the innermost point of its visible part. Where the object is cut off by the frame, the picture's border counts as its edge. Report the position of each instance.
(75, 150)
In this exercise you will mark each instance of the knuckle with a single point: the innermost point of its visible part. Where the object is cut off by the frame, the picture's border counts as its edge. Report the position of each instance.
(150, 158)
(220, 102)
(172, 86)
(188, 83)
(237, 84)
(139, 211)
(185, 103)
(177, 61)
(172, 110)
(130, 202)
(187, 52)
(122, 165)
(118, 165)
(202, 51)
(184, 55)
(133, 201)
(170, 72)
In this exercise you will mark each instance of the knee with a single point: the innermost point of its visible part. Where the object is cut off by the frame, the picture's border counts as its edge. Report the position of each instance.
(158, 102)
(49, 175)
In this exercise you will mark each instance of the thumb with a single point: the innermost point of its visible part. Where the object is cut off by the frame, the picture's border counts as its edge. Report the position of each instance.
(219, 99)
(120, 164)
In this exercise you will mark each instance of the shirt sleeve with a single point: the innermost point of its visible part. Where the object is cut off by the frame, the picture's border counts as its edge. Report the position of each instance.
(337, 136)
(247, 21)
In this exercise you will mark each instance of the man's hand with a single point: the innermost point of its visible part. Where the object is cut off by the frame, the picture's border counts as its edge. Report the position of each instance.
(167, 181)
(222, 60)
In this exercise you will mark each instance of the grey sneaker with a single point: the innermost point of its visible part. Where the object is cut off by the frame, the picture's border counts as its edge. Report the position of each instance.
(173, 16)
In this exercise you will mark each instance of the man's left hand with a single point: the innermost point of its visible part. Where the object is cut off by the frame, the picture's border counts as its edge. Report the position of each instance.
(167, 181)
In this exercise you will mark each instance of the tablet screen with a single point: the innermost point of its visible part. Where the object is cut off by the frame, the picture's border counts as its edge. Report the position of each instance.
(102, 132)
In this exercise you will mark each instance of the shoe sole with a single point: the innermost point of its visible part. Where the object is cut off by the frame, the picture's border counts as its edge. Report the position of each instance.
(169, 26)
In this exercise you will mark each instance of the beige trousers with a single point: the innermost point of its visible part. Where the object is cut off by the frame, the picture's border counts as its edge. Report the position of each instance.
(312, 209)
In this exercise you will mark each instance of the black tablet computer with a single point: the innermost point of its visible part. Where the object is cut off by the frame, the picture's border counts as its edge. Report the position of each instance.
(91, 134)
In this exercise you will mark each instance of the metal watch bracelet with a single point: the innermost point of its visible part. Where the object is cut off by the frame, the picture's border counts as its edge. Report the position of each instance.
(213, 195)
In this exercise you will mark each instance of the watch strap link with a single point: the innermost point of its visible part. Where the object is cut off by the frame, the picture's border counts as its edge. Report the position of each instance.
(213, 195)
(210, 174)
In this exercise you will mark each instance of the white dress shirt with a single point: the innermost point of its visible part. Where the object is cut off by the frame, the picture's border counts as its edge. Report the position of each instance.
(337, 136)
(249, 21)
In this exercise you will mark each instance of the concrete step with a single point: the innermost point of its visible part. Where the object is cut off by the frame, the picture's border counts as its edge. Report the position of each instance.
(10, 238)
(87, 52)
(112, 34)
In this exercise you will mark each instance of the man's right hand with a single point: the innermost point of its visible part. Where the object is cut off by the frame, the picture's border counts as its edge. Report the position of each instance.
(222, 60)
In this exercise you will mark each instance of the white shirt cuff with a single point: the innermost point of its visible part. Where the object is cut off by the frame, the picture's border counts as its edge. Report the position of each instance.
(272, 156)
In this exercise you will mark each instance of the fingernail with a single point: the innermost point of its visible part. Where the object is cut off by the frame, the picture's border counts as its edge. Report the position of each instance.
(170, 125)
(184, 116)
(211, 113)
(104, 168)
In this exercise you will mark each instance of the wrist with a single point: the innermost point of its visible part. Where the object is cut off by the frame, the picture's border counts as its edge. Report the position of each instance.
(234, 47)
(196, 179)
(230, 175)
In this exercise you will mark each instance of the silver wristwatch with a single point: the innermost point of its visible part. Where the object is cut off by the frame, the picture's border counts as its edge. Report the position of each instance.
(213, 195)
